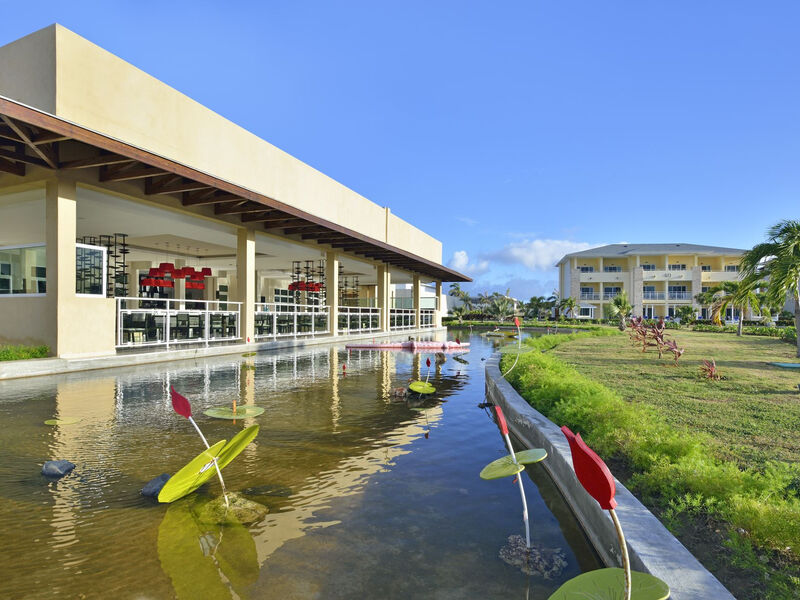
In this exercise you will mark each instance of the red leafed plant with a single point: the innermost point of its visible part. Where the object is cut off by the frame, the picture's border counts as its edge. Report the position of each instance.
(709, 370)
(672, 346)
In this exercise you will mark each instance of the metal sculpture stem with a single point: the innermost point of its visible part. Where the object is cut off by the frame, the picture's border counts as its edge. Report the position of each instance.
(626, 563)
(516, 358)
(216, 466)
(522, 495)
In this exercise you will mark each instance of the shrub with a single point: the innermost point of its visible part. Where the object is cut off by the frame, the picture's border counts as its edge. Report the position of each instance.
(667, 462)
(23, 352)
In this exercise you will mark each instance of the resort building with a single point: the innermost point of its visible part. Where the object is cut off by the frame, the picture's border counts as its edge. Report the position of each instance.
(658, 278)
(133, 217)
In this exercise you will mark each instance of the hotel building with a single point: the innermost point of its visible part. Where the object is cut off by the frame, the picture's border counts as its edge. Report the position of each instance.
(658, 278)
(133, 217)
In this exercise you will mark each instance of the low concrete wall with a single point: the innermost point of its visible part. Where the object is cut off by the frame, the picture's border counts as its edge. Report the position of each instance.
(651, 547)
(53, 366)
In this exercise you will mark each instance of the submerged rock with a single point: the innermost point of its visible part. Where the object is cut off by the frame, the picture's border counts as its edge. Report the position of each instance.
(268, 490)
(153, 487)
(57, 468)
(545, 562)
(241, 510)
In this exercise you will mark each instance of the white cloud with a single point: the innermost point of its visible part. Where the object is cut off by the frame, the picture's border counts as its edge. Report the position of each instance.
(460, 262)
(537, 254)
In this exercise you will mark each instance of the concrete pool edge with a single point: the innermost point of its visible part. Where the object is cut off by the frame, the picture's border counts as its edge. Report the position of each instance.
(37, 367)
(652, 548)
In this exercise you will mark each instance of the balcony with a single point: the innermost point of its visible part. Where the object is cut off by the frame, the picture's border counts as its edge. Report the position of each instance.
(605, 276)
(680, 296)
(588, 296)
(667, 275)
(653, 295)
(718, 276)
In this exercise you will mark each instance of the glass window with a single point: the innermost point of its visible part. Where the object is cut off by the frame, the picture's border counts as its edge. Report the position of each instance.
(612, 269)
(23, 269)
(585, 312)
(90, 270)
(586, 269)
(677, 267)
(732, 268)
(648, 267)
(705, 267)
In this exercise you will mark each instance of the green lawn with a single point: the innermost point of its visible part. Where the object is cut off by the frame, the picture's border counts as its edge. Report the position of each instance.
(23, 352)
(752, 415)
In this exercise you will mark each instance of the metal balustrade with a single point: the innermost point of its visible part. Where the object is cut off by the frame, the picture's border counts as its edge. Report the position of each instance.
(358, 319)
(653, 295)
(610, 295)
(402, 318)
(589, 296)
(273, 320)
(166, 322)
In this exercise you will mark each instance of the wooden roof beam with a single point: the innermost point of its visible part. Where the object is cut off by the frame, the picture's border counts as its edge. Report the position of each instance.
(171, 185)
(19, 155)
(46, 152)
(265, 216)
(201, 197)
(101, 160)
(323, 237)
(281, 223)
(15, 168)
(305, 229)
(128, 172)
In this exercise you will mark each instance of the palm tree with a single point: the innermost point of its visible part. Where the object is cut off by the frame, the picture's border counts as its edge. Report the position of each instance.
(534, 307)
(739, 295)
(484, 299)
(554, 301)
(455, 290)
(620, 307)
(569, 305)
(501, 307)
(778, 261)
(458, 313)
(684, 313)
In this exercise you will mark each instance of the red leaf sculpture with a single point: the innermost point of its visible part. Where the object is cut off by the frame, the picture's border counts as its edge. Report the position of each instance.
(180, 404)
(516, 322)
(428, 362)
(501, 420)
(592, 472)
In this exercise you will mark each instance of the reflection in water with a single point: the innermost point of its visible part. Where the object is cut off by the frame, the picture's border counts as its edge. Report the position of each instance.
(361, 505)
(199, 554)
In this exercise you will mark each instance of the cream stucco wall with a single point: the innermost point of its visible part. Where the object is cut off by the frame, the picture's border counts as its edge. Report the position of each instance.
(26, 321)
(76, 80)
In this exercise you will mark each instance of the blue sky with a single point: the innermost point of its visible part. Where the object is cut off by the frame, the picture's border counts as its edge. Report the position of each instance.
(513, 132)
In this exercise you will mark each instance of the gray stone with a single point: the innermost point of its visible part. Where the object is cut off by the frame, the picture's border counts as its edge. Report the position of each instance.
(153, 487)
(57, 468)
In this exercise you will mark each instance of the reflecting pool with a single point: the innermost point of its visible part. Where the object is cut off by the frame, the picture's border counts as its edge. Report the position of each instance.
(361, 503)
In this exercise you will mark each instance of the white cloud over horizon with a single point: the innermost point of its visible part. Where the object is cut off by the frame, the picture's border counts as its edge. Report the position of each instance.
(460, 262)
(536, 254)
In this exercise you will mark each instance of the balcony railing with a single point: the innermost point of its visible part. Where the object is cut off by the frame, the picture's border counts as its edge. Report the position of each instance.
(589, 296)
(426, 317)
(680, 295)
(165, 322)
(653, 295)
(358, 319)
(402, 318)
(610, 295)
(273, 320)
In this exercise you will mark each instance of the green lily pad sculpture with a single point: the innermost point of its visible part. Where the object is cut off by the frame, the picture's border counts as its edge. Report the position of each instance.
(421, 387)
(244, 411)
(199, 470)
(63, 421)
(505, 466)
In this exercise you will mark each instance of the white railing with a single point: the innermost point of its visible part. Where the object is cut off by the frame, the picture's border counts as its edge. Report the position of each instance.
(610, 295)
(358, 319)
(426, 317)
(274, 320)
(166, 322)
(402, 318)
(653, 295)
(680, 295)
(589, 296)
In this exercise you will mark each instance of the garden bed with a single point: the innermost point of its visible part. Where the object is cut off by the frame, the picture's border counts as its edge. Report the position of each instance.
(716, 460)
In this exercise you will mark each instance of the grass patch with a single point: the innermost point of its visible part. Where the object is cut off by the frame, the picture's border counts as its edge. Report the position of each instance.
(23, 352)
(698, 451)
(566, 325)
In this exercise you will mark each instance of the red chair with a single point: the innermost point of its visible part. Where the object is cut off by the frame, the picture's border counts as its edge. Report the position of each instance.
(603, 584)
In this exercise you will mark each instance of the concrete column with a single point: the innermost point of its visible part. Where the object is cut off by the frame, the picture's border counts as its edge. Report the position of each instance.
(383, 296)
(179, 291)
(637, 287)
(417, 295)
(575, 285)
(246, 281)
(440, 305)
(697, 284)
(332, 292)
(60, 233)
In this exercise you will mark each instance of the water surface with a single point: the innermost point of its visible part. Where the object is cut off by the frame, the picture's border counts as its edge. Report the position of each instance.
(361, 503)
